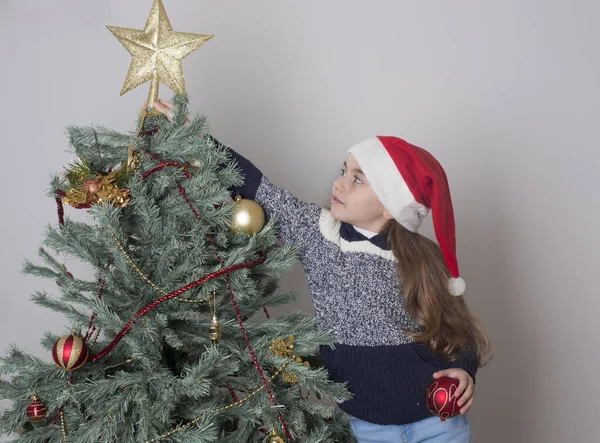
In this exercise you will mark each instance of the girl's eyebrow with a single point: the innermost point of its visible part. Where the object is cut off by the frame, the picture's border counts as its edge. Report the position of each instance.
(358, 171)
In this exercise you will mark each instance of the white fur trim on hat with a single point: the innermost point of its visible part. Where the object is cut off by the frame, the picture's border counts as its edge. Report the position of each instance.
(388, 184)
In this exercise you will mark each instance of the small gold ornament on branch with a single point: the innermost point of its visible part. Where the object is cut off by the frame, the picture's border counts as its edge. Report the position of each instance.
(274, 437)
(215, 329)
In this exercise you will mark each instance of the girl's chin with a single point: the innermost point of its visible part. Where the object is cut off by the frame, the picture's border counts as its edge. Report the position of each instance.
(337, 214)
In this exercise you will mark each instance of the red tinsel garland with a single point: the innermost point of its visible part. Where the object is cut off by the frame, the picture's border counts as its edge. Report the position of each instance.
(238, 314)
(169, 296)
(91, 327)
(75, 205)
(60, 211)
(180, 291)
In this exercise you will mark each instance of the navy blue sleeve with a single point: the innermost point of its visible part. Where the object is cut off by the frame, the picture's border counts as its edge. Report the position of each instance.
(468, 361)
(252, 175)
(297, 221)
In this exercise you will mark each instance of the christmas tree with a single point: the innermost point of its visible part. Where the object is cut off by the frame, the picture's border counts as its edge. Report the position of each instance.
(172, 340)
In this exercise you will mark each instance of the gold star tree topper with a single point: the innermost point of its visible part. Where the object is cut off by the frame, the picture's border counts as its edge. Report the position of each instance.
(157, 52)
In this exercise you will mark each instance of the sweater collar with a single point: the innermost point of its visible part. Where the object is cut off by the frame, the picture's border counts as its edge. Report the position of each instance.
(350, 234)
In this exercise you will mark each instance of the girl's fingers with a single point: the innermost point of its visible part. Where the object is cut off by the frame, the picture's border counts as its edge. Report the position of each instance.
(442, 373)
(467, 406)
(163, 109)
(462, 387)
(466, 396)
(166, 103)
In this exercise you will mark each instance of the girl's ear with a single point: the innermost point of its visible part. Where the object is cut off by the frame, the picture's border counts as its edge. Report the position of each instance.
(387, 215)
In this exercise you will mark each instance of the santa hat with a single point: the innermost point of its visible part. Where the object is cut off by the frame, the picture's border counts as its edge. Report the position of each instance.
(409, 182)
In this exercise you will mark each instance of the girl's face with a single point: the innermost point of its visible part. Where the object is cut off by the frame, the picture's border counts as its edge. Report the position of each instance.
(354, 201)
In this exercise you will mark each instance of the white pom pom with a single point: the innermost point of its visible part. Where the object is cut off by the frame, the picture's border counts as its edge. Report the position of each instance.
(456, 286)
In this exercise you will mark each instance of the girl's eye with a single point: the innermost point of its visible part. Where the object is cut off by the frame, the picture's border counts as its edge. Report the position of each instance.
(343, 172)
(357, 180)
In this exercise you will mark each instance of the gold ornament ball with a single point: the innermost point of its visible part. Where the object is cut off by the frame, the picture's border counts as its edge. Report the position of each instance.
(248, 216)
(274, 437)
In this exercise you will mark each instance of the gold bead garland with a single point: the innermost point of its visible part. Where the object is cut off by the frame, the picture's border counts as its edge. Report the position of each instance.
(285, 375)
(63, 427)
(144, 277)
(224, 408)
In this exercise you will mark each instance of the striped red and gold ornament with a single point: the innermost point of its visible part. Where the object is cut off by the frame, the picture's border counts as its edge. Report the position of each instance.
(70, 352)
(36, 411)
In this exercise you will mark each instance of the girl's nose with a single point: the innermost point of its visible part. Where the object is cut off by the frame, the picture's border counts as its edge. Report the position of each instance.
(339, 184)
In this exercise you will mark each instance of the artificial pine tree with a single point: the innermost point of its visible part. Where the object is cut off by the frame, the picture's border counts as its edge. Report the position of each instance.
(171, 341)
(167, 264)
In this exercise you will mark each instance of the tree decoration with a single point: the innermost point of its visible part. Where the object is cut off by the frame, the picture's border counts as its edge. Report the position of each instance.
(70, 352)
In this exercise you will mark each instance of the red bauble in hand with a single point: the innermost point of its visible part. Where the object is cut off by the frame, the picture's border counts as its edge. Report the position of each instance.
(441, 398)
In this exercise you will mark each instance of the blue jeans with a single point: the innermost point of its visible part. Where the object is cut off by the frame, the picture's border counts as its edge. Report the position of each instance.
(429, 430)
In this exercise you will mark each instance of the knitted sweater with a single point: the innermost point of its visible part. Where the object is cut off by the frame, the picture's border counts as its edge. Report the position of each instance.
(355, 290)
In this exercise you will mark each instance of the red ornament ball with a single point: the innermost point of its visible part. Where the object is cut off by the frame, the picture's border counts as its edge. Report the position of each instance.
(441, 399)
(36, 411)
(70, 352)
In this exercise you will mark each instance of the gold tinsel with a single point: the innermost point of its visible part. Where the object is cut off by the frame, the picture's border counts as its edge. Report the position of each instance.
(107, 191)
(87, 187)
(285, 348)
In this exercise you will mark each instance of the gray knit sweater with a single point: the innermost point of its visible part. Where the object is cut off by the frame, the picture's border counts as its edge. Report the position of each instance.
(354, 286)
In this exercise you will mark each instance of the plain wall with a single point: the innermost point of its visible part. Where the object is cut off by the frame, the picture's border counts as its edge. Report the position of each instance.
(505, 93)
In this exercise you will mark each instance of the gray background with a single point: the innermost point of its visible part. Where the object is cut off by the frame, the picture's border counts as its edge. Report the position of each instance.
(504, 93)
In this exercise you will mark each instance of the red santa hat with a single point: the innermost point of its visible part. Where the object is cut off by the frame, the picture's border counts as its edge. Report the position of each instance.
(409, 182)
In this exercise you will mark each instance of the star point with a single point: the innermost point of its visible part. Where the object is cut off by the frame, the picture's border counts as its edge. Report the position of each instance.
(157, 52)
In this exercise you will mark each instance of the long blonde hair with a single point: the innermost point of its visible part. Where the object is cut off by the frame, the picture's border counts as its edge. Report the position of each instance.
(446, 324)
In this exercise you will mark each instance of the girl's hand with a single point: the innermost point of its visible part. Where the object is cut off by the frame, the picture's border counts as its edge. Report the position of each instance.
(164, 107)
(466, 387)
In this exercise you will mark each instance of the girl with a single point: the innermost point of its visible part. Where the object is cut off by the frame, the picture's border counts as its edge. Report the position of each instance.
(391, 297)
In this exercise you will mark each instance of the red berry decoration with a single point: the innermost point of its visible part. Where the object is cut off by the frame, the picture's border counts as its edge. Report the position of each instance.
(441, 400)
(70, 276)
(36, 411)
(70, 352)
